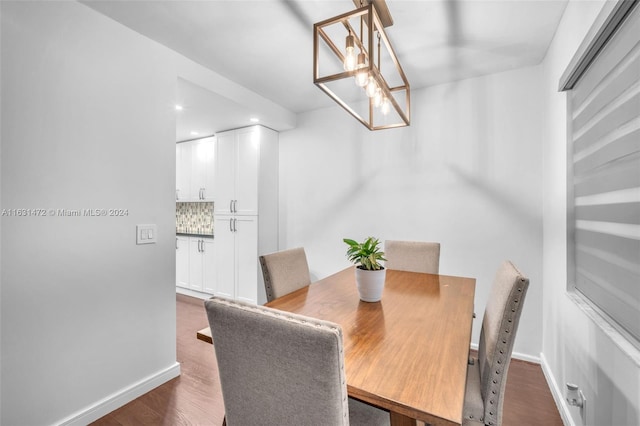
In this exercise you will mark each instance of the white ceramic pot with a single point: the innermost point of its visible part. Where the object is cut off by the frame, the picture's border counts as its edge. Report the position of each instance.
(370, 284)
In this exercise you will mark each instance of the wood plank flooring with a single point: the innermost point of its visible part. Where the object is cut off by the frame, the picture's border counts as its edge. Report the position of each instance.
(195, 398)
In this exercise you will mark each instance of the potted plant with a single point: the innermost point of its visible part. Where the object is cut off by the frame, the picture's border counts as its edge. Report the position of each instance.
(370, 274)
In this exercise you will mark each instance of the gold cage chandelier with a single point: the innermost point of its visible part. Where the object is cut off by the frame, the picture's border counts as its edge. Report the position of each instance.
(354, 77)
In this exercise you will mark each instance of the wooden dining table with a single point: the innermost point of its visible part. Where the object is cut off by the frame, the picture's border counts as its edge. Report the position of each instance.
(407, 353)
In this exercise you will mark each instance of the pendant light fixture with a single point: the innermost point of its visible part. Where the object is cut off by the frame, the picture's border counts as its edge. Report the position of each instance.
(377, 100)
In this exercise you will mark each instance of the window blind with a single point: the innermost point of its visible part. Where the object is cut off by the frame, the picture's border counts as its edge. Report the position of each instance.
(604, 108)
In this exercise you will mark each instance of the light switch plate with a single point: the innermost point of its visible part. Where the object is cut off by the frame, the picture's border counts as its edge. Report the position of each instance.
(146, 234)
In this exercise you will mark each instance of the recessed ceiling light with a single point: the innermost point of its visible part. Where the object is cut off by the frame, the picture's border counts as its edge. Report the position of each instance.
(179, 108)
(254, 119)
(194, 133)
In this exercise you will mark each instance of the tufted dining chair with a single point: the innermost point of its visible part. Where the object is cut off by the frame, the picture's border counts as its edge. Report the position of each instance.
(284, 271)
(412, 256)
(279, 368)
(487, 375)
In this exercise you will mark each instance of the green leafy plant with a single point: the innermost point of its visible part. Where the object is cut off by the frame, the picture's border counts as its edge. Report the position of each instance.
(365, 255)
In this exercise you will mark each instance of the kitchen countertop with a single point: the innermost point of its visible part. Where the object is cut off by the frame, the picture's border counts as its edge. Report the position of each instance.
(182, 234)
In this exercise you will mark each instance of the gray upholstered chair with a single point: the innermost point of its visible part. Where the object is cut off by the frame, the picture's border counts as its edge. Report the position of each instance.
(412, 256)
(284, 271)
(487, 375)
(278, 368)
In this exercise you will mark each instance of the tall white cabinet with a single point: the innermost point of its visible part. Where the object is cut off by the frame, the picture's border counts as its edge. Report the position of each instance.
(238, 164)
(235, 250)
(245, 210)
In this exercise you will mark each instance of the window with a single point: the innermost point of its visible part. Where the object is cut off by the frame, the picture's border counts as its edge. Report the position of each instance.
(603, 92)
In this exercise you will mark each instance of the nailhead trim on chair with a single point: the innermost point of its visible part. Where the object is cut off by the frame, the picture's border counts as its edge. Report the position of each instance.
(267, 279)
(491, 417)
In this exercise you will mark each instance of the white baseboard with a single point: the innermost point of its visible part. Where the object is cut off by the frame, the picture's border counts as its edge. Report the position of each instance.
(193, 293)
(516, 355)
(557, 393)
(122, 397)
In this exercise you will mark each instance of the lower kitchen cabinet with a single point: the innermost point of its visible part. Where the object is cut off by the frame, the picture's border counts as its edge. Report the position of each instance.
(236, 257)
(195, 263)
(182, 261)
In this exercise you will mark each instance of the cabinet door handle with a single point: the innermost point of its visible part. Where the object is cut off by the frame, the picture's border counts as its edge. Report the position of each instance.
(235, 225)
(177, 194)
(231, 206)
(203, 193)
(235, 206)
(176, 243)
(201, 244)
(230, 225)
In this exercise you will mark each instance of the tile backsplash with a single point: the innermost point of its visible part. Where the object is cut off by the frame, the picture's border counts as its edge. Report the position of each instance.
(194, 218)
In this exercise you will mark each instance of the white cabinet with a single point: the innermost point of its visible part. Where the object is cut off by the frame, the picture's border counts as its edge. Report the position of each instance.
(202, 169)
(182, 261)
(225, 179)
(236, 255)
(245, 210)
(208, 266)
(238, 163)
(195, 170)
(247, 263)
(201, 264)
(195, 263)
(225, 256)
(183, 171)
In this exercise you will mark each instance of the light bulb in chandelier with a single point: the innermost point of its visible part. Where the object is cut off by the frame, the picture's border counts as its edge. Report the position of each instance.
(386, 106)
(350, 54)
(371, 87)
(362, 75)
(377, 98)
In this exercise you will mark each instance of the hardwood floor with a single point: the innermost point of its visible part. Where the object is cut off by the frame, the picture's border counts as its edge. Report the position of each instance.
(194, 398)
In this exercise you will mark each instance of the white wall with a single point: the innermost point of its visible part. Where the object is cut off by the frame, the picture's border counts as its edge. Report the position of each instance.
(466, 173)
(574, 348)
(87, 316)
(87, 122)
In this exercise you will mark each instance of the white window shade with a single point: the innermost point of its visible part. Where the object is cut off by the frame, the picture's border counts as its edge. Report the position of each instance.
(604, 178)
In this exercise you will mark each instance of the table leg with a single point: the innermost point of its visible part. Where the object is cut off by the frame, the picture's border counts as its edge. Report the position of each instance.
(398, 419)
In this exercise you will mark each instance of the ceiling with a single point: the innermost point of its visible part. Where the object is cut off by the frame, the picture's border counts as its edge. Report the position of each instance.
(205, 113)
(267, 45)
